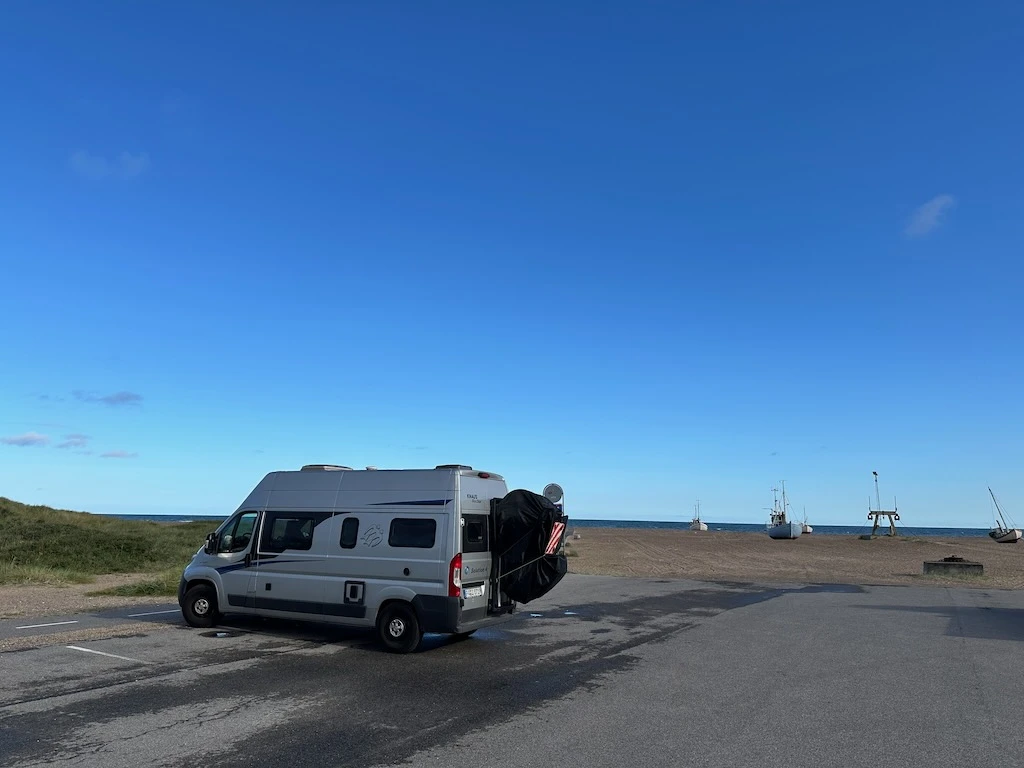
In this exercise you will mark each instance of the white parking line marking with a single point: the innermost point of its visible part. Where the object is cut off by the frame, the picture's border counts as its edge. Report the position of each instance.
(51, 624)
(153, 613)
(101, 653)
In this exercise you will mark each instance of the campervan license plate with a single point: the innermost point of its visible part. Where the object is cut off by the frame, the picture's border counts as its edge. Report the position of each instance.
(475, 591)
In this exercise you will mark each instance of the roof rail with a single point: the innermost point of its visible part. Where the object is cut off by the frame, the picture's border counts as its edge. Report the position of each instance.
(322, 468)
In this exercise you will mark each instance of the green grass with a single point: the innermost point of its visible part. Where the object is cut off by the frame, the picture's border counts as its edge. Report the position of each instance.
(12, 573)
(40, 545)
(165, 583)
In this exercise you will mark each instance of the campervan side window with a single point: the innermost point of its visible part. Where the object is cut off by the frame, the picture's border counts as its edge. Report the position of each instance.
(412, 532)
(349, 532)
(289, 530)
(238, 535)
(474, 533)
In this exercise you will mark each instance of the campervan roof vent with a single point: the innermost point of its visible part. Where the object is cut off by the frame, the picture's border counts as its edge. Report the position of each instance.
(452, 466)
(323, 468)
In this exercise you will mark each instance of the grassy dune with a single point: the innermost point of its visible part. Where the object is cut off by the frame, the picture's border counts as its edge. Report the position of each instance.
(40, 545)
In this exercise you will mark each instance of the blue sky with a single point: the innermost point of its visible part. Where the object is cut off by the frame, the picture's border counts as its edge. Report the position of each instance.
(652, 251)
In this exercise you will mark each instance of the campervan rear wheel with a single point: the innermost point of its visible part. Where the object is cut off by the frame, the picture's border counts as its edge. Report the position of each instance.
(398, 628)
(200, 606)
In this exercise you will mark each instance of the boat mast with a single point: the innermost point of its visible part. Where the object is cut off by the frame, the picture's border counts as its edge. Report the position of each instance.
(999, 510)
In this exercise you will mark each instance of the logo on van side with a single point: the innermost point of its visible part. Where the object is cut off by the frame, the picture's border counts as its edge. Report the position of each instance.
(374, 535)
(472, 497)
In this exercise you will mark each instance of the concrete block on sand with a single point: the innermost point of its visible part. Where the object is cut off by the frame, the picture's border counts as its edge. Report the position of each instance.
(954, 566)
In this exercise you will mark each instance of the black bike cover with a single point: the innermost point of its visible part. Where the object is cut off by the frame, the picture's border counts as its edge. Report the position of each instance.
(528, 532)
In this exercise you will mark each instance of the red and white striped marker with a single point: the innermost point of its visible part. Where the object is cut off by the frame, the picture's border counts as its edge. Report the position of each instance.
(556, 538)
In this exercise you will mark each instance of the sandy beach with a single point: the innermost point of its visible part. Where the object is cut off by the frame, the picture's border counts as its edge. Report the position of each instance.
(753, 557)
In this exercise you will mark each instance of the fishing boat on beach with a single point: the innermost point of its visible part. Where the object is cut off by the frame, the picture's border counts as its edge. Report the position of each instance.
(779, 527)
(697, 524)
(1003, 533)
(804, 527)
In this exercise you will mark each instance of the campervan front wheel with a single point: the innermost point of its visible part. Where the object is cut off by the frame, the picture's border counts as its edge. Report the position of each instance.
(398, 628)
(200, 606)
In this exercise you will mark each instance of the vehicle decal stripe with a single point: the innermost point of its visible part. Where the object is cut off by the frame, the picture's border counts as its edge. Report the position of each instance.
(268, 561)
(421, 503)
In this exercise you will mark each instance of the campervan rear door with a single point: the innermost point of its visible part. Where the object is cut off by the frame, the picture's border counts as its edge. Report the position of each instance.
(475, 494)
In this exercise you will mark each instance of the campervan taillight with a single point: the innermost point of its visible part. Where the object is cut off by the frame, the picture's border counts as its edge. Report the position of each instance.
(455, 576)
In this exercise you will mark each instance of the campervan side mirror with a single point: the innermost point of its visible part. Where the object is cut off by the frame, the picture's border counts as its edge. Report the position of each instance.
(211, 543)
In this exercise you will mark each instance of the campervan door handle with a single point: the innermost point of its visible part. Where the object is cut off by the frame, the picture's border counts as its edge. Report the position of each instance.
(248, 559)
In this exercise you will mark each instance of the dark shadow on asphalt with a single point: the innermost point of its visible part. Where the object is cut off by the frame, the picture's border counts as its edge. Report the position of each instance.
(686, 607)
(631, 614)
(830, 589)
(980, 622)
(326, 634)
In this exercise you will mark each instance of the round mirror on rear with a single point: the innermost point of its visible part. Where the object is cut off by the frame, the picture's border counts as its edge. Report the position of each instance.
(553, 492)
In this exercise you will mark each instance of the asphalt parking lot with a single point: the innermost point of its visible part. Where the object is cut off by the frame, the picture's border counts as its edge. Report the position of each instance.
(603, 671)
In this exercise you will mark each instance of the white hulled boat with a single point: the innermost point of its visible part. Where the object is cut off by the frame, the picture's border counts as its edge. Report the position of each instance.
(697, 524)
(779, 527)
(1003, 533)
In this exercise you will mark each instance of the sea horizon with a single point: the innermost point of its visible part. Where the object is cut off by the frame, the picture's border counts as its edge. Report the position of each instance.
(824, 530)
(682, 525)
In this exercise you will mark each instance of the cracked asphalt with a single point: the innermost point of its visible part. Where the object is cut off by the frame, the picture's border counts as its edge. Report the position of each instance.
(602, 672)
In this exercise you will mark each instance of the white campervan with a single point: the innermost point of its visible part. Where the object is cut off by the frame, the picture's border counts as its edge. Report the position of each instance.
(406, 551)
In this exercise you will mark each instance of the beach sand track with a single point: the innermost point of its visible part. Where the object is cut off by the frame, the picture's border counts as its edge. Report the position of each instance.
(753, 557)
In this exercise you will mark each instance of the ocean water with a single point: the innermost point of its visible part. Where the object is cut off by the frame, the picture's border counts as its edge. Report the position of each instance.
(823, 530)
(214, 520)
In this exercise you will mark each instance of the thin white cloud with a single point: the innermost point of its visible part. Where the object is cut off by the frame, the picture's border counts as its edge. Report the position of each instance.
(130, 165)
(118, 455)
(117, 398)
(172, 103)
(90, 166)
(929, 216)
(26, 440)
(74, 441)
(126, 165)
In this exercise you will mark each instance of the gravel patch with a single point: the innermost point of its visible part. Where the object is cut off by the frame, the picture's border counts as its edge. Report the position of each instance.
(39, 601)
